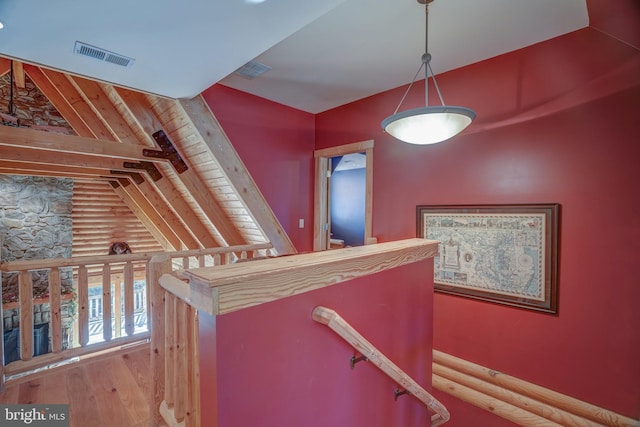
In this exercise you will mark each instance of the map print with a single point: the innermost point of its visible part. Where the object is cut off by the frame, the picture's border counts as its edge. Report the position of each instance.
(499, 253)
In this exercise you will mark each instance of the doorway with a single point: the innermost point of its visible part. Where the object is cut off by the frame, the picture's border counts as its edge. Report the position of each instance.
(323, 190)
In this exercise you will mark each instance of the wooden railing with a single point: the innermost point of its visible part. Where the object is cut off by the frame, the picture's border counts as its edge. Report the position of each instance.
(176, 296)
(174, 332)
(119, 271)
(340, 326)
(519, 401)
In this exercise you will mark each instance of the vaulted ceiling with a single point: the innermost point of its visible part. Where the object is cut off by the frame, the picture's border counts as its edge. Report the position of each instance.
(168, 160)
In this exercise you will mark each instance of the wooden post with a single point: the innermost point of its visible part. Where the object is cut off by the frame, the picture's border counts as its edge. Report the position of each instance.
(83, 306)
(55, 321)
(193, 369)
(158, 265)
(117, 307)
(170, 348)
(26, 314)
(107, 333)
(129, 321)
(180, 368)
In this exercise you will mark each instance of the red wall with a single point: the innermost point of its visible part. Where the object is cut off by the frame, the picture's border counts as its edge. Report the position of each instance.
(557, 122)
(276, 145)
(277, 367)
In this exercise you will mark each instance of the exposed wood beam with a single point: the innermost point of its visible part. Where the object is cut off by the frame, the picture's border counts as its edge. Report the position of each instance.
(58, 143)
(18, 74)
(203, 120)
(47, 157)
(5, 66)
(140, 109)
(58, 101)
(79, 105)
(175, 220)
(151, 207)
(136, 202)
(40, 169)
(97, 95)
(94, 94)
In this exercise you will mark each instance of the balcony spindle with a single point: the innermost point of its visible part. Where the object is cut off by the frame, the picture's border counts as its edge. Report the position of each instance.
(107, 333)
(83, 306)
(25, 284)
(55, 322)
(129, 320)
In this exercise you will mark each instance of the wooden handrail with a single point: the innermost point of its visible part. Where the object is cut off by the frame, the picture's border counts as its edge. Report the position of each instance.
(45, 264)
(517, 400)
(104, 269)
(243, 285)
(340, 326)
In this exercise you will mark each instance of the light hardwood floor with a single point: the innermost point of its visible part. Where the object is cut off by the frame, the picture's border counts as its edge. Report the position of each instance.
(108, 391)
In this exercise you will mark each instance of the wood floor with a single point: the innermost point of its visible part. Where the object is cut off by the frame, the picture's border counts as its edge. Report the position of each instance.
(106, 391)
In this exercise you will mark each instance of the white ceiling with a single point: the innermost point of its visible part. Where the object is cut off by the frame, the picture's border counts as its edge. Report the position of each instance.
(323, 53)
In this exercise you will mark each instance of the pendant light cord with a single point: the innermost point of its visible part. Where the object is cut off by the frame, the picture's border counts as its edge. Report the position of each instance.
(426, 62)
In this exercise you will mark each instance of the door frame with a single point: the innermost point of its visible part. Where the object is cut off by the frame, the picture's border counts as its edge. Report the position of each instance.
(321, 215)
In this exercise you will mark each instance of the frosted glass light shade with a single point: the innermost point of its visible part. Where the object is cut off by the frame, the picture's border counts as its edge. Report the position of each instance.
(428, 125)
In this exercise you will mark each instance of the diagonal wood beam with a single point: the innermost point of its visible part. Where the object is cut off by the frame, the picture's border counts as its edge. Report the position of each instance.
(141, 110)
(58, 101)
(18, 74)
(79, 105)
(165, 219)
(190, 230)
(138, 204)
(94, 94)
(203, 120)
(5, 66)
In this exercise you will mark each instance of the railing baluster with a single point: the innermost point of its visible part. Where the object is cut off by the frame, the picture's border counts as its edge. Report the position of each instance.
(180, 367)
(129, 322)
(107, 333)
(117, 306)
(55, 321)
(201, 261)
(25, 284)
(170, 340)
(83, 306)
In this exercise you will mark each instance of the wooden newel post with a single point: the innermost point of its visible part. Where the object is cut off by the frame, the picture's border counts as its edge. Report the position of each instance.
(158, 265)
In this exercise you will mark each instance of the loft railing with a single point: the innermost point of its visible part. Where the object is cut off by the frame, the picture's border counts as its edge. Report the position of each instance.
(335, 322)
(120, 282)
(174, 333)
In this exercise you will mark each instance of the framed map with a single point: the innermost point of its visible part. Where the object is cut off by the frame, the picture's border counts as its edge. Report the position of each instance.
(500, 253)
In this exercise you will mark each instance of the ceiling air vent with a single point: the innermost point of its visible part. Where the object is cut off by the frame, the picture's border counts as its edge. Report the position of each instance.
(252, 69)
(102, 54)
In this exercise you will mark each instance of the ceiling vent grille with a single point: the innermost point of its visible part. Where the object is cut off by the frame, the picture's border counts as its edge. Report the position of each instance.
(252, 69)
(102, 54)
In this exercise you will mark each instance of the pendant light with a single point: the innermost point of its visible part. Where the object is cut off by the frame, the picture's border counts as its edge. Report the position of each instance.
(427, 125)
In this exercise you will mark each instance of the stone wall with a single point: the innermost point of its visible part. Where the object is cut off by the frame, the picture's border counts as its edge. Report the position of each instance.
(31, 107)
(35, 223)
